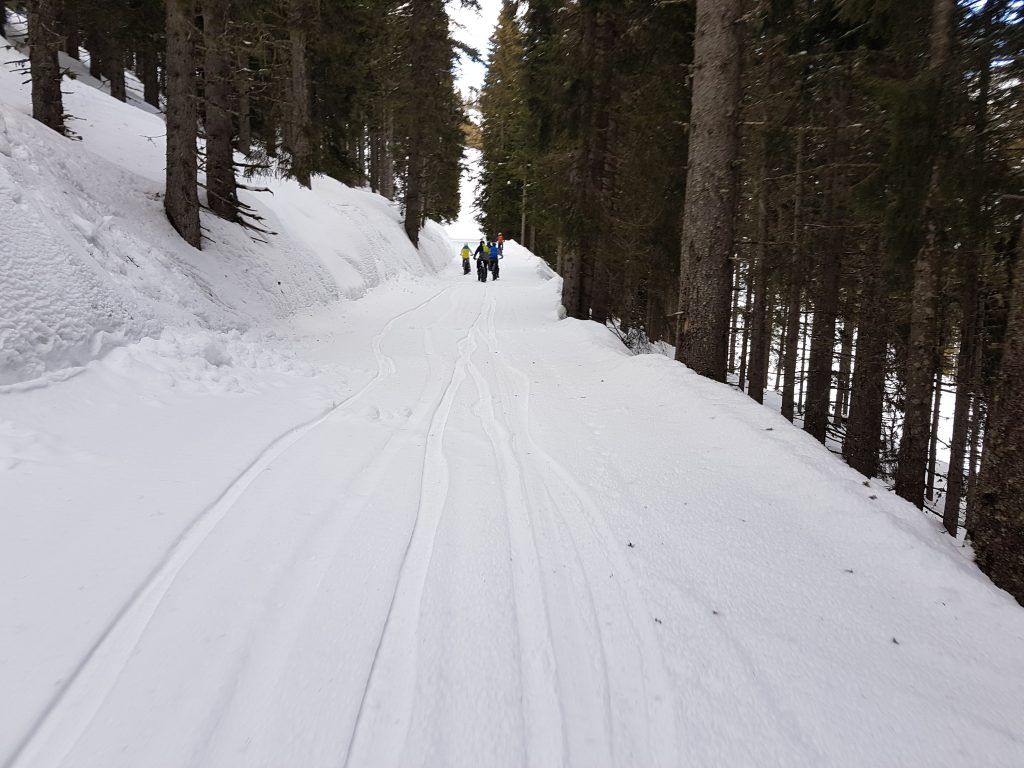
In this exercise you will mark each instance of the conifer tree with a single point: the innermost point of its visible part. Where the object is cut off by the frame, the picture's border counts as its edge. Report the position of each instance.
(181, 199)
(711, 188)
(504, 157)
(218, 85)
(44, 45)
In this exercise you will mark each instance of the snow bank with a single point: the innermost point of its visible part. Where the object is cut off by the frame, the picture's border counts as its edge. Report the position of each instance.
(90, 262)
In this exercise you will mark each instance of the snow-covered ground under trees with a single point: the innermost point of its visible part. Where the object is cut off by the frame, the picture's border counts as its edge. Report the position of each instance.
(324, 501)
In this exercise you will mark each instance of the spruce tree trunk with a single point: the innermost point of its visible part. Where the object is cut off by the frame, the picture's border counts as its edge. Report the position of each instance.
(414, 194)
(376, 140)
(969, 305)
(789, 363)
(998, 524)
(93, 46)
(599, 311)
(387, 159)
(933, 445)
(826, 312)
(243, 86)
(913, 451)
(220, 130)
(572, 274)
(114, 62)
(44, 45)
(864, 426)
(978, 418)
(823, 341)
(711, 186)
(745, 335)
(734, 322)
(300, 118)
(791, 353)
(802, 378)
(760, 331)
(70, 30)
(149, 73)
(181, 200)
(586, 287)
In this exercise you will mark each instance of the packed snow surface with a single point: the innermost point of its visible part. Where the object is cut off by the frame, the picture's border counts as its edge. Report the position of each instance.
(434, 526)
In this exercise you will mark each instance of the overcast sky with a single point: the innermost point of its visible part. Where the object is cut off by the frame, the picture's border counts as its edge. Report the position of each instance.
(476, 31)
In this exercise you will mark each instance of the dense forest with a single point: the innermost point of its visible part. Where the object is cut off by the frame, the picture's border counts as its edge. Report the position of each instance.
(819, 198)
(362, 91)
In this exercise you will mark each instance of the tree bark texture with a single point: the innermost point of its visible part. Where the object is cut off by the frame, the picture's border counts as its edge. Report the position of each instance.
(221, 189)
(998, 525)
(114, 64)
(44, 45)
(793, 308)
(823, 338)
(864, 426)
(149, 72)
(70, 29)
(933, 442)
(919, 378)
(913, 451)
(760, 331)
(181, 200)
(414, 193)
(300, 119)
(711, 189)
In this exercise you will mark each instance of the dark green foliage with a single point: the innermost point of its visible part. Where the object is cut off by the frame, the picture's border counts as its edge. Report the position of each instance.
(590, 117)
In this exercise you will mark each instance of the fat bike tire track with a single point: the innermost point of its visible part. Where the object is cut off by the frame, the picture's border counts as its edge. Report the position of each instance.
(584, 670)
(55, 731)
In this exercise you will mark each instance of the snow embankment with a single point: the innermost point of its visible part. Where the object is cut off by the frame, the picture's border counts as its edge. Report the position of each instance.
(89, 261)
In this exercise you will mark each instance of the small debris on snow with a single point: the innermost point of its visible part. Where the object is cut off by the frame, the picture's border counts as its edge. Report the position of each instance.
(895, 641)
(631, 545)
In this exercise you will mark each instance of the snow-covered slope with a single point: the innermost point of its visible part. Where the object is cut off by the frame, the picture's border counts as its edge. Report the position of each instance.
(89, 261)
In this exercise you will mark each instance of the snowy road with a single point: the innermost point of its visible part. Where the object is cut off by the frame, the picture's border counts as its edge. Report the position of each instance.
(407, 578)
(513, 545)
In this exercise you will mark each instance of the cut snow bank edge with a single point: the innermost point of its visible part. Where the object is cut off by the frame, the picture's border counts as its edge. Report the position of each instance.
(89, 261)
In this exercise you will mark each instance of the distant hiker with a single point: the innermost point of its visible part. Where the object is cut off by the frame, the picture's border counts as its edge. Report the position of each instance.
(483, 257)
(501, 244)
(495, 254)
(466, 253)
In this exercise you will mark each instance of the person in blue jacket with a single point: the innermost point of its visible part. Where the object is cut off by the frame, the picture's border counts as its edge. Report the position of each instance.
(495, 254)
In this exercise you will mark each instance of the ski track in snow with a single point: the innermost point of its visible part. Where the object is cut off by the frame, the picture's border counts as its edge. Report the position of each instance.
(636, 719)
(71, 710)
(402, 620)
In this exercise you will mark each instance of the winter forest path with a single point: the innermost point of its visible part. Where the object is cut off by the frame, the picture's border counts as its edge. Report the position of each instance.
(408, 579)
(515, 545)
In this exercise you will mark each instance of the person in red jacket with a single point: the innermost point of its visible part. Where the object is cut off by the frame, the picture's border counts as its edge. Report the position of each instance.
(501, 244)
